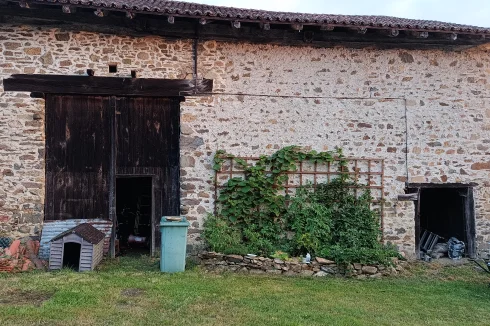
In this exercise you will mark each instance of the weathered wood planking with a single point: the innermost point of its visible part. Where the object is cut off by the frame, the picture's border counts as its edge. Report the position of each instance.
(147, 143)
(111, 86)
(77, 157)
(90, 140)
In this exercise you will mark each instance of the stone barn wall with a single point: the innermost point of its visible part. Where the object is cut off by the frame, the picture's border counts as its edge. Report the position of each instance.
(267, 97)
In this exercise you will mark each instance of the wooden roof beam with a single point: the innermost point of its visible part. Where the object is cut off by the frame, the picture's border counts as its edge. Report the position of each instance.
(88, 85)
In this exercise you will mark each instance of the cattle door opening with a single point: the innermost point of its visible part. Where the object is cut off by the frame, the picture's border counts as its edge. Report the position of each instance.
(134, 210)
(444, 215)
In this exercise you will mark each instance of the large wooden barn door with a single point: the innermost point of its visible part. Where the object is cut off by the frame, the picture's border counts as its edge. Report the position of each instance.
(78, 157)
(91, 139)
(148, 131)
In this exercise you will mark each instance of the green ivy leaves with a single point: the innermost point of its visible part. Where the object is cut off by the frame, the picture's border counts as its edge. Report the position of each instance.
(253, 216)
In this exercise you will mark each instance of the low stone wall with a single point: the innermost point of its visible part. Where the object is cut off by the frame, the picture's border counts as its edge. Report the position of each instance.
(320, 267)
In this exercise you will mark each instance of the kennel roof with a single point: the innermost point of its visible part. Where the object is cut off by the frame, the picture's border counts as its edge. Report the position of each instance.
(86, 231)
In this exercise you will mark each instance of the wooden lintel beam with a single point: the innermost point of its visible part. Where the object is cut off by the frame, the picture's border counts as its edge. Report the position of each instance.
(441, 185)
(408, 197)
(61, 84)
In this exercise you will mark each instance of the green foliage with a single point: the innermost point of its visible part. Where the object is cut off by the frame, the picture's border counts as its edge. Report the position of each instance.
(222, 237)
(335, 220)
(218, 159)
(355, 224)
(310, 222)
(280, 255)
(379, 254)
(254, 205)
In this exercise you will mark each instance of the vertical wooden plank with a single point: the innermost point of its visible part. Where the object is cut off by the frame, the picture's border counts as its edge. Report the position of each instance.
(112, 174)
(328, 172)
(154, 226)
(417, 222)
(77, 163)
(469, 214)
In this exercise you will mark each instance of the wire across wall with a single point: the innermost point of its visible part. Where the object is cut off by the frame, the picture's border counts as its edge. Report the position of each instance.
(368, 172)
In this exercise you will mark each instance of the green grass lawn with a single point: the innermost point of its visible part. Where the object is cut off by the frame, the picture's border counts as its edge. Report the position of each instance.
(133, 292)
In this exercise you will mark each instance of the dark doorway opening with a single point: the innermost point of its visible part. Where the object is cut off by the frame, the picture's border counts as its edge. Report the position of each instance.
(134, 208)
(445, 212)
(71, 255)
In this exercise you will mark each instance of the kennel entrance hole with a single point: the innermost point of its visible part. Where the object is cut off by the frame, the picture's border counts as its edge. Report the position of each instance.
(71, 255)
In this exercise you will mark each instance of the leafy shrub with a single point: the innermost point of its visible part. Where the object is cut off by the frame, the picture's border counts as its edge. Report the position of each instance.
(261, 238)
(221, 237)
(335, 220)
(310, 222)
(280, 255)
(380, 254)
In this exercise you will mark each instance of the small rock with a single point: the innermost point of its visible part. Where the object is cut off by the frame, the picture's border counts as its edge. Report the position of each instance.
(391, 270)
(220, 268)
(187, 161)
(376, 276)
(307, 273)
(323, 261)
(361, 277)
(399, 268)
(278, 261)
(295, 268)
(186, 130)
(369, 270)
(274, 271)
(243, 270)
(328, 270)
(256, 271)
(24, 229)
(388, 273)
(321, 274)
(211, 254)
(234, 258)
(357, 266)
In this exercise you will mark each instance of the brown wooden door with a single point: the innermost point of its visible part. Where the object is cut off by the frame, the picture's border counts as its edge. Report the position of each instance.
(78, 157)
(90, 139)
(148, 131)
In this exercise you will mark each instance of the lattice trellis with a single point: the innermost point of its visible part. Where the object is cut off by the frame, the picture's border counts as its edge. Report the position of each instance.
(366, 171)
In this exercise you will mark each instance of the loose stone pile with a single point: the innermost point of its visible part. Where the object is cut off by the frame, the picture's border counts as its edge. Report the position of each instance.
(319, 267)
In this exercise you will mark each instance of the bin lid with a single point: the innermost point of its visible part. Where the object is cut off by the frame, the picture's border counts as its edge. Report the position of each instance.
(174, 221)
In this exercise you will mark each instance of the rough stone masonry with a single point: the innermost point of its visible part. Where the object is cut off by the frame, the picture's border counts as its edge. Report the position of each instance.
(372, 103)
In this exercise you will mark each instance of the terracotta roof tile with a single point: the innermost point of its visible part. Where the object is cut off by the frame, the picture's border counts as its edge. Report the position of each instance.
(180, 8)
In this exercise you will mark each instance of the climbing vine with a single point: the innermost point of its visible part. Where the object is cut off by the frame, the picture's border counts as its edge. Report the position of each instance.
(255, 204)
(255, 215)
(256, 197)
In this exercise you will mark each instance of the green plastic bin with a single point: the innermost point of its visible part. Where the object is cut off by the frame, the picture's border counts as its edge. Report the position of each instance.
(174, 243)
